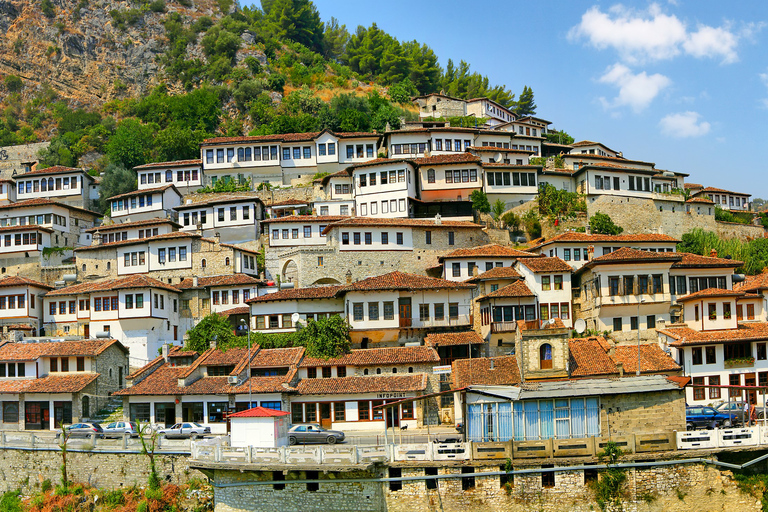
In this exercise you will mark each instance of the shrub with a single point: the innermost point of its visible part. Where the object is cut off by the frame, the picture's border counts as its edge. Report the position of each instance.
(498, 209)
(480, 201)
(602, 224)
(13, 83)
(532, 224)
(48, 9)
(157, 6)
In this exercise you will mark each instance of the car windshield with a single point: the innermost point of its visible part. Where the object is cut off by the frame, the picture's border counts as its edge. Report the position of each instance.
(708, 410)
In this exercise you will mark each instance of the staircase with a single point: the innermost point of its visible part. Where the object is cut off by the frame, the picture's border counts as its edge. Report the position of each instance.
(112, 412)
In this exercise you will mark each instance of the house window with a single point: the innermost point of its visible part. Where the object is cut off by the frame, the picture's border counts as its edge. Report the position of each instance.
(424, 312)
(761, 351)
(373, 311)
(698, 388)
(711, 355)
(545, 283)
(750, 311)
(714, 380)
(545, 356)
(696, 355)
(650, 322)
(451, 238)
(357, 311)
(389, 311)
(456, 269)
(712, 311)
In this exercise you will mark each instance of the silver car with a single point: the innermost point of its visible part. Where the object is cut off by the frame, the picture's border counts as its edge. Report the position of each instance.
(185, 430)
(313, 433)
(119, 428)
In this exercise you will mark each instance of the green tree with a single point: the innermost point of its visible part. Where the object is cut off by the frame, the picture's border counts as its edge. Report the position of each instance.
(200, 336)
(13, 83)
(462, 83)
(116, 180)
(325, 338)
(557, 204)
(401, 92)
(559, 137)
(48, 8)
(132, 143)
(525, 105)
(297, 20)
(480, 201)
(178, 143)
(532, 224)
(498, 209)
(335, 39)
(602, 224)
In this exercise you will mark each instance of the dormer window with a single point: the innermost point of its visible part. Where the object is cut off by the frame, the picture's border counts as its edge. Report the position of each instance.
(545, 356)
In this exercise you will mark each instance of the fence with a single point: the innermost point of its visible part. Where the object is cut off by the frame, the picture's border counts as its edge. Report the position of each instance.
(723, 438)
(26, 440)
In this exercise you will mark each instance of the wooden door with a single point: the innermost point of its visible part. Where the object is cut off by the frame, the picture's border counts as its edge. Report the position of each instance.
(87, 331)
(749, 380)
(405, 312)
(325, 415)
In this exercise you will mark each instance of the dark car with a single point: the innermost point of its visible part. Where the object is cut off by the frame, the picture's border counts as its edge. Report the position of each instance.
(185, 430)
(82, 430)
(735, 412)
(312, 433)
(705, 417)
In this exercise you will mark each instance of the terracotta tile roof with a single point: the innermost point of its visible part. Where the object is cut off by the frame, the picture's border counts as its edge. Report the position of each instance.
(448, 339)
(757, 282)
(277, 357)
(588, 357)
(219, 199)
(45, 202)
(26, 227)
(585, 156)
(242, 310)
(381, 161)
(412, 223)
(546, 264)
(65, 383)
(489, 250)
(401, 281)
(478, 371)
(495, 149)
(174, 163)
(307, 219)
(121, 283)
(572, 236)
(695, 261)
(455, 158)
(377, 356)
(317, 292)
(56, 169)
(538, 325)
(710, 292)
(289, 137)
(258, 412)
(721, 191)
(14, 385)
(287, 202)
(146, 191)
(700, 200)
(750, 296)
(33, 351)
(344, 173)
(496, 273)
(680, 381)
(166, 236)
(134, 224)
(629, 255)
(163, 381)
(277, 384)
(652, 359)
(218, 357)
(692, 185)
(511, 291)
(222, 280)
(22, 281)
(751, 331)
(353, 385)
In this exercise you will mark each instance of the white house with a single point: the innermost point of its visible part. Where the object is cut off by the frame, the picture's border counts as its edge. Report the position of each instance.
(235, 218)
(135, 230)
(461, 264)
(550, 281)
(21, 303)
(186, 175)
(384, 188)
(65, 184)
(273, 312)
(298, 230)
(145, 204)
(725, 199)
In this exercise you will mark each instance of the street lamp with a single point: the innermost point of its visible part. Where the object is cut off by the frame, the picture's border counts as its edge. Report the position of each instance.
(248, 334)
(641, 301)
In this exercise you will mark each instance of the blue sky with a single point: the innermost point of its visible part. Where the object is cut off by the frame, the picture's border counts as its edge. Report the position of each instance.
(683, 84)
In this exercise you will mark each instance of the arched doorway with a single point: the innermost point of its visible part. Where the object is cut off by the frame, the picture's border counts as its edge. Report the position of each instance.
(290, 273)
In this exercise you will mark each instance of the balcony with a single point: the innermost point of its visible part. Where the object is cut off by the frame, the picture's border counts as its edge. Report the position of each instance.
(503, 327)
(417, 323)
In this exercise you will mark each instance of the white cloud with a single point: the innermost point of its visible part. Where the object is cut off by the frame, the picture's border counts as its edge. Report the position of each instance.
(635, 90)
(649, 35)
(684, 124)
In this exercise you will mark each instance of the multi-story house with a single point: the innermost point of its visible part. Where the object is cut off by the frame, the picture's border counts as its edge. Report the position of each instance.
(716, 348)
(425, 142)
(186, 175)
(66, 185)
(21, 304)
(45, 385)
(298, 230)
(549, 278)
(694, 273)
(512, 184)
(501, 155)
(276, 312)
(145, 204)
(757, 284)
(226, 294)
(462, 264)
(135, 230)
(504, 300)
(487, 108)
(141, 312)
(588, 147)
(449, 178)
(577, 249)
(334, 194)
(280, 159)
(385, 188)
(725, 199)
(234, 218)
(170, 257)
(437, 106)
(68, 224)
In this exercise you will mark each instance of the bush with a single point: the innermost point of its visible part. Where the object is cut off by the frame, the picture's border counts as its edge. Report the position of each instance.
(602, 224)
(13, 83)
(480, 201)
(48, 9)
(532, 224)
(157, 6)
(498, 209)
(512, 221)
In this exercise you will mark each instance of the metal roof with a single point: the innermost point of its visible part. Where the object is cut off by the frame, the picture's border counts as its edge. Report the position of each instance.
(579, 387)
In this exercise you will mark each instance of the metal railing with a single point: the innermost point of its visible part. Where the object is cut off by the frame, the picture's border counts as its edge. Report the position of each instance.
(28, 440)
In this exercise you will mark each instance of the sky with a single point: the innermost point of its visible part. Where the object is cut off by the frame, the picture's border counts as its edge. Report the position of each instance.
(683, 84)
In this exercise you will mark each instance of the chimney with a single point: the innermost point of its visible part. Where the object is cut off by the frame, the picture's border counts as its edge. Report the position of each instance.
(217, 237)
(713, 253)
(194, 281)
(213, 343)
(438, 220)
(620, 368)
(166, 350)
(349, 277)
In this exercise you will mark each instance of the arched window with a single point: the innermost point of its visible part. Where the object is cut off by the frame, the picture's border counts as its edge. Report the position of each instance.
(226, 261)
(110, 374)
(545, 356)
(430, 175)
(83, 267)
(365, 372)
(410, 369)
(378, 371)
(50, 183)
(203, 263)
(394, 370)
(43, 185)
(109, 265)
(86, 406)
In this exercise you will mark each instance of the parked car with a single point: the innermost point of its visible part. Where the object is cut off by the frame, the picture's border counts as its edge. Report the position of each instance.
(82, 430)
(734, 410)
(119, 428)
(705, 417)
(312, 433)
(185, 431)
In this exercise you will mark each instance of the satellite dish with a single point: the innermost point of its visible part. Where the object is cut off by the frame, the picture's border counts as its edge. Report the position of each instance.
(295, 317)
(580, 326)
(551, 321)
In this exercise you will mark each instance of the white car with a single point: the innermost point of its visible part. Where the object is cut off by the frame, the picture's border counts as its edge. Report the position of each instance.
(185, 430)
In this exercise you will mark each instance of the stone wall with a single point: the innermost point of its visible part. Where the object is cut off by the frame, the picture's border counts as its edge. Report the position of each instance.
(642, 413)
(684, 487)
(26, 469)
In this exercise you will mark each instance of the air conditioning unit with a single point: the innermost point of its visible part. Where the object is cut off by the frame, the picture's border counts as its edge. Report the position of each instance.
(232, 379)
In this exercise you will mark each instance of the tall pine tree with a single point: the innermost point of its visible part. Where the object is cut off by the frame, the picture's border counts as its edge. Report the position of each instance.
(525, 105)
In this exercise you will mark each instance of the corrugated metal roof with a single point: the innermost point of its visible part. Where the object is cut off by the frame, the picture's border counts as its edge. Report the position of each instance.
(579, 387)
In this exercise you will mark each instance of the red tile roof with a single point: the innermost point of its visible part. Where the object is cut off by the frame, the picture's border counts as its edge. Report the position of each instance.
(242, 310)
(56, 169)
(408, 223)
(448, 339)
(454, 158)
(258, 412)
(545, 264)
(710, 292)
(174, 163)
(120, 283)
(652, 359)
(497, 273)
(572, 236)
(218, 357)
(629, 255)
(26, 227)
(277, 384)
(318, 292)
(165, 236)
(692, 185)
(754, 283)
(146, 191)
(222, 280)
(134, 224)
(354, 385)
(307, 219)
(505, 371)
(589, 357)
(489, 250)
(695, 261)
(45, 202)
(377, 356)
(496, 149)
(65, 383)
(753, 331)
(401, 281)
(721, 191)
(22, 281)
(515, 290)
(277, 357)
(699, 200)
(289, 137)
(32, 351)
